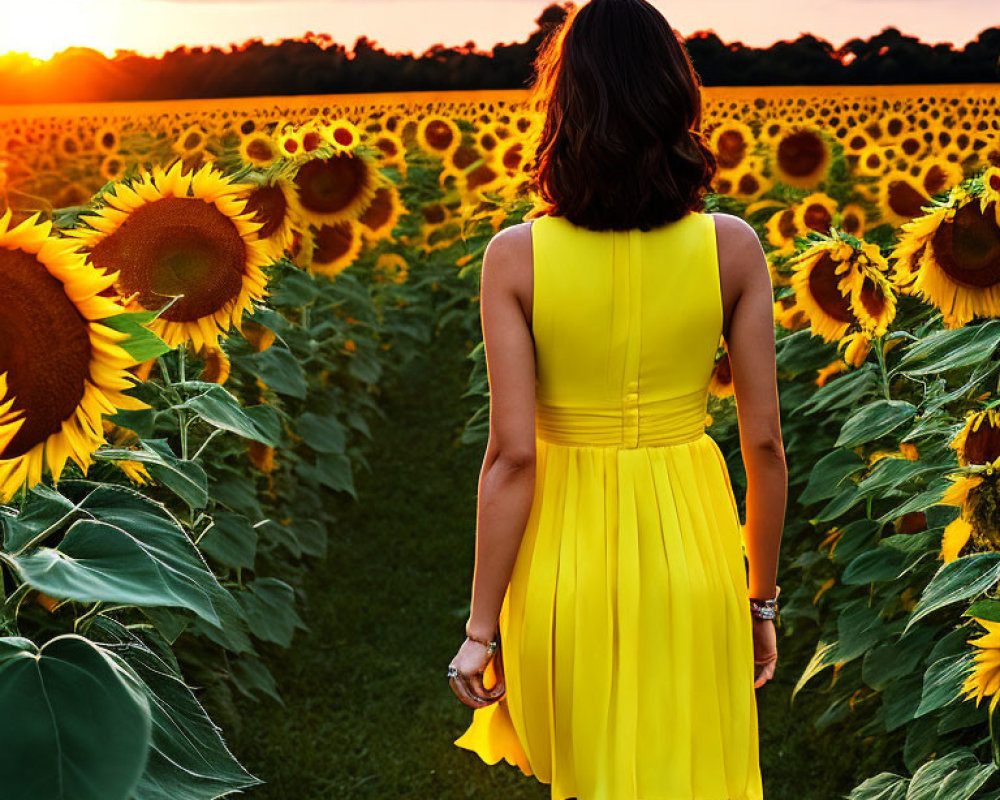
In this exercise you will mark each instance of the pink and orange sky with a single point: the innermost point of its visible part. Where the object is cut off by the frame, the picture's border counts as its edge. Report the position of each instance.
(43, 27)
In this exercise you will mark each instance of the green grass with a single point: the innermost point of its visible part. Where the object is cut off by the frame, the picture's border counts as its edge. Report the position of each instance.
(368, 711)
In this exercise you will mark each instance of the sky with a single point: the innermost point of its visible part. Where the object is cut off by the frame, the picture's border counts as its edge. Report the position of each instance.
(43, 27)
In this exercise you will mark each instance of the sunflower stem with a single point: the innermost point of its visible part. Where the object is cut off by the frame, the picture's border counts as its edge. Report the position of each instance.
(881, 367)
(181, 378)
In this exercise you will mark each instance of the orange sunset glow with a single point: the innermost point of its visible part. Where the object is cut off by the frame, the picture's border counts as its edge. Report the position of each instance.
(151, 27)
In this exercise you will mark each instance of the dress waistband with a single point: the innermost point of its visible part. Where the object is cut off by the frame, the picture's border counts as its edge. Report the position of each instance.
(632, 423)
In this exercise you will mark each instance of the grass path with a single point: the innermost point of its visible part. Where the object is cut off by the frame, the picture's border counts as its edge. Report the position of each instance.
(369, 713)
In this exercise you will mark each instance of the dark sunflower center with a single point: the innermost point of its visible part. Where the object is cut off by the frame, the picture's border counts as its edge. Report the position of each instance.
(968, 247)
(934, 180)
(379, 210)
(332, 242)
(46, 349)
(732, 148)
(269, 206)
(801, 154)
(749, 184)
(983, 444)
(439, 135)
(464, 156)
(823, 288)
(786, 223)
(904, 199)
(872, 297)
(724, 370)
(173, 246)
(329, 185)
(817, 217)
(260, 148)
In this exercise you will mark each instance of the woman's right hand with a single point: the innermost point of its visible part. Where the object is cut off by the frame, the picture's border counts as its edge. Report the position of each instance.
(765, 651)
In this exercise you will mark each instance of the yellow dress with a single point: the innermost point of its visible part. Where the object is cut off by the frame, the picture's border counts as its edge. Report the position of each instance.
(626, 633)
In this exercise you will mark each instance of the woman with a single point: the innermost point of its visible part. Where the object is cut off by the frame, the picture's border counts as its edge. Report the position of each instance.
(616, 632)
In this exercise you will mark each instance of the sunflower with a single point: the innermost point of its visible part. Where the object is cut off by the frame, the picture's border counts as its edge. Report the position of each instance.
(332, 248)
(62, 368)
(258, 148)
(732, 142)
(270, 202)
(801, 156)
(380, 217)
(781, 229)
(984, 677)
(334, 189)
(160, 243)
(852, 219)
(438, 135)
(978, 441)
(952, 255)
(721, 383)
(900, 197)
(343, 135)
(391, 266)
(191, 140)
(840, 284)
(815, 212)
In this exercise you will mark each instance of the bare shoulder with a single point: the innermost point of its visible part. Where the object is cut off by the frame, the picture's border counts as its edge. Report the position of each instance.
(509, 254)
(740, 250)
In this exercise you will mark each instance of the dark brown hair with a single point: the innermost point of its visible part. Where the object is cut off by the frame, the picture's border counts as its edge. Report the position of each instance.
(621, 144)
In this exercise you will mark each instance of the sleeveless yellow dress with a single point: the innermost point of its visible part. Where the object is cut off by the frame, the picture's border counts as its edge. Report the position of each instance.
(625, 629)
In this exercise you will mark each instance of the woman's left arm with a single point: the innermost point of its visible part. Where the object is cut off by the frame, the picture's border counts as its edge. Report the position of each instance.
(507, 479)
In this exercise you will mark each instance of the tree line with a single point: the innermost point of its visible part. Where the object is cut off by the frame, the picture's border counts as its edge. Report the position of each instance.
(315, 64)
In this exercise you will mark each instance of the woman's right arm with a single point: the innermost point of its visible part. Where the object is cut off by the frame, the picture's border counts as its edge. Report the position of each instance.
(751, 345)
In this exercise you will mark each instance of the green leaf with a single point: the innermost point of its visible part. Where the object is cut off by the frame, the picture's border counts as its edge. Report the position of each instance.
(45, 509)
(859, 628)
(324, 434)
(874, 421)
(956, 775)
(943, 682)
(188, 758)
(824, 656)
(230, 540)
(957, 580)
(142, 343)
(251, 676)
(987, 608)
(884, 786)
(184, 478)
(222, 410)
(896, 659)
(827, 475)
(133, 552)
(76, 722)
(950, 349)
(278, 369)
(269, 606)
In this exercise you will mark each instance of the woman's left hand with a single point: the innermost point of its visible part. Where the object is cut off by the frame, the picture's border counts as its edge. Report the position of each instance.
(471, 661)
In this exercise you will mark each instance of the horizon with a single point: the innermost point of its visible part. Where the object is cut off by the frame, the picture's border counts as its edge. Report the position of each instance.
(156, 29)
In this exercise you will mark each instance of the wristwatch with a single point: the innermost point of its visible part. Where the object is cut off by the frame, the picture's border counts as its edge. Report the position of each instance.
(765, 608)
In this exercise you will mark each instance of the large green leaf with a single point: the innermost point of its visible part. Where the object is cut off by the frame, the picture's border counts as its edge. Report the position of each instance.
(956, 775)
(895, 659)
(269, 605)
(76, 722)
(828, 474)
(943, 682)
(131, 552)
(188, 758)
(45, 510)
(950, 349)
(874, 421)
(324, 434)
(957, 580)
(231, 540)
(884, 786)
(185, 478)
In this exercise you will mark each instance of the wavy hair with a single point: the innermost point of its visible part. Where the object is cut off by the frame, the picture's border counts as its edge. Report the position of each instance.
(621, 145)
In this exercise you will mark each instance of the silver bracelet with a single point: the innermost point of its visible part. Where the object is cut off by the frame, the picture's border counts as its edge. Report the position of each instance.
(765, 608)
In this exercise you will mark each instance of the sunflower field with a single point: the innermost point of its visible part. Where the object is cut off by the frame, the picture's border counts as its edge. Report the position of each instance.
(202, 304)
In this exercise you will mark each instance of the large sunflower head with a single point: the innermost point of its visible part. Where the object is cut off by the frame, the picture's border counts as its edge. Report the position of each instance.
(959, 257)
(978, 442)
(61, 368)
(840, 284)
(334, 189)
(201, 251)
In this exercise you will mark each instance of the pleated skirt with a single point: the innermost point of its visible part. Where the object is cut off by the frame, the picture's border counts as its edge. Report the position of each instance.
(626, 634)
